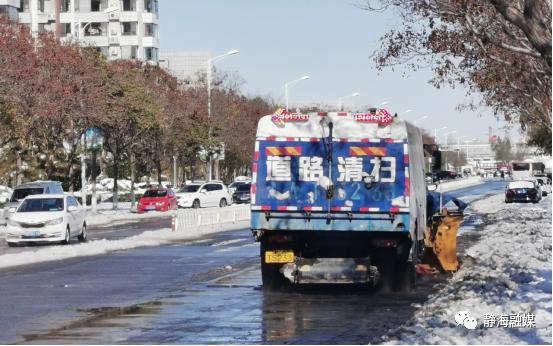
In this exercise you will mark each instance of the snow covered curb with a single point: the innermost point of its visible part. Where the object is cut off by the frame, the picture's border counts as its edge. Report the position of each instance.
(98, 247)
(460, 183)
(107, 217)
(507, 271)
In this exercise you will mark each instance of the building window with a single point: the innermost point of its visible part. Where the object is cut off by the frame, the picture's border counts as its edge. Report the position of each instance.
(129, 5)
(150, 54)
(65, 6)
(129, 52)
(150, 6)
(9, 11)
(65, 29)
(150, 30)
(128, 28)
(42, 27)
(96, 29)
(98, 5)
(24, 6)
(41, 6)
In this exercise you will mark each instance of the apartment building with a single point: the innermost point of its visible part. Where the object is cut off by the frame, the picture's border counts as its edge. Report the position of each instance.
(9, 8)
(186, 66)
(120, 29)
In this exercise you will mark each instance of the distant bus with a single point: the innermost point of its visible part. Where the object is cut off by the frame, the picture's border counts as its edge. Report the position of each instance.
(526, 169)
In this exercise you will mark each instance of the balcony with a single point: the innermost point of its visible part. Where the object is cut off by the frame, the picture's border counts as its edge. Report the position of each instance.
(98, 41)
(150, 42)
(149, 17)
(24, 17)
(128, 40)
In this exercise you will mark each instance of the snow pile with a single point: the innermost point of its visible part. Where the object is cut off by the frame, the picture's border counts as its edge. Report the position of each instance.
(111, 216)
(103, 246)
(460, 183)
(507, 271)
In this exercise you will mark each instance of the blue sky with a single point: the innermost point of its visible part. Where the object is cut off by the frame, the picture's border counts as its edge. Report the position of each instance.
(330, 40)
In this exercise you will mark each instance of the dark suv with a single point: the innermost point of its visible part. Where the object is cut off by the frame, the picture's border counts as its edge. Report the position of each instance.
(242, 193)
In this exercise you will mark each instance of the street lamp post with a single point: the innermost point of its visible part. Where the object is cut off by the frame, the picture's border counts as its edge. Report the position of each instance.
(445, 138)
(467, 145)
(419, 119)
(340, 99)
(209, 68)
(288, 84)
(436, 132)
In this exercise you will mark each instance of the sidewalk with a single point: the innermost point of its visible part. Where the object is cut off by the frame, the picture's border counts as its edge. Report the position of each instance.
(504, 283)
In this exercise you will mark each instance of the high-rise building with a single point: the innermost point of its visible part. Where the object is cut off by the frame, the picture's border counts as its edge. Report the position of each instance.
(9, 8)
(187, 66)
(121, 29)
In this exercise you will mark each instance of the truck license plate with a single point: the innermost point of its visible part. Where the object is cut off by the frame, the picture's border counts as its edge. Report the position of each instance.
(279, 256)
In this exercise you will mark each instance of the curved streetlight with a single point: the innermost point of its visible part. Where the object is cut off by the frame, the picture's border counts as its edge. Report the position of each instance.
(446, 135)
(209, 70)
(288, 84)
(419, 119)
(340, 99)
(436, 131)
(467, 147)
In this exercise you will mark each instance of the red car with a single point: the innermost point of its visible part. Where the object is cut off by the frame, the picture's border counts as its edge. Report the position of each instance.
(161, 199)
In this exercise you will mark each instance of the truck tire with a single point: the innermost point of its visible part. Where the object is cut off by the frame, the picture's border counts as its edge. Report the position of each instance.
(406, 277)
(272, 278)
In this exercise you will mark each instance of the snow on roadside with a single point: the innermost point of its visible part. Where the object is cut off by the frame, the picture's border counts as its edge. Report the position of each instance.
(103, 246)
(507, 271)
(460, 183)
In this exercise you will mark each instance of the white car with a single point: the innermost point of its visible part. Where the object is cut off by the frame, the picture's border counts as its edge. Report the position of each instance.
(47, 219)
(197, 195)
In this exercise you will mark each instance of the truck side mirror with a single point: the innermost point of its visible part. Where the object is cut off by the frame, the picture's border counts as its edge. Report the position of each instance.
(432, 187)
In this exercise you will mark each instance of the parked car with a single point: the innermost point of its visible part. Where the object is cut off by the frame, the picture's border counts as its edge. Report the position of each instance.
(234, 185)
(27, 189)
(210, 194)
(523, 191)
(432, 177)
(157, 199)
(545, 185)
(242, 193)
(47, 218)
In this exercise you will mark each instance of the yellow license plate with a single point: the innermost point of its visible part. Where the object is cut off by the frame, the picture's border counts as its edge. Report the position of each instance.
(279, 256)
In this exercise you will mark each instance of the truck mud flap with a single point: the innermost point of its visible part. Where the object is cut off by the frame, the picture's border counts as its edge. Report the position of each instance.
(331, 271)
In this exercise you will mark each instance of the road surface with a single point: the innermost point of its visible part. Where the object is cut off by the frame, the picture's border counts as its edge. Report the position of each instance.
(206, 291)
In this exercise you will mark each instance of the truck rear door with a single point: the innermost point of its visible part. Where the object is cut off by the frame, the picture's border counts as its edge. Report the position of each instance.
(293, 175)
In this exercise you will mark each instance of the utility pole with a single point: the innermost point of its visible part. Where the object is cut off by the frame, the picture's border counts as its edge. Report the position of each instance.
(83, 170)
(57, 8)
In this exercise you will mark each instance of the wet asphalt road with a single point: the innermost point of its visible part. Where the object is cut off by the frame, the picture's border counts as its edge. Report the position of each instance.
(206, 291)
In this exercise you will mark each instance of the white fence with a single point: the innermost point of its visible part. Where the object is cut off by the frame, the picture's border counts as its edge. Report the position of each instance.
(212, 219)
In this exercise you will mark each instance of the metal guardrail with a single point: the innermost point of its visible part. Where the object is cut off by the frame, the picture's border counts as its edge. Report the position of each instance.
(187, 219)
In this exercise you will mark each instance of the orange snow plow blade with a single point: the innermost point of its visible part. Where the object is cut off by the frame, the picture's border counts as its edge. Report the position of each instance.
(441, 243)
